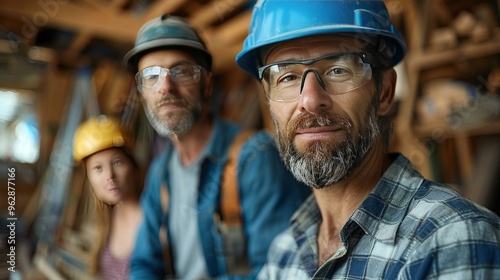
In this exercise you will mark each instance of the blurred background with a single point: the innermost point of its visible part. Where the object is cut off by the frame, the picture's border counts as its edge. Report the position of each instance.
(60, 62)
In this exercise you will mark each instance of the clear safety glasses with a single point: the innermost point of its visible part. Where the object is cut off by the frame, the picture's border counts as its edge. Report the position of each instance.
(336, 73)
(152, 78)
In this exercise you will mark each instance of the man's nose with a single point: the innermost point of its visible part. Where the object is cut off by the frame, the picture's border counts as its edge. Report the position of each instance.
(165, 84)
(313, 94)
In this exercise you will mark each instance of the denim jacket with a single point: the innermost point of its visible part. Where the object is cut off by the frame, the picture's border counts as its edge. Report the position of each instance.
(269, 195)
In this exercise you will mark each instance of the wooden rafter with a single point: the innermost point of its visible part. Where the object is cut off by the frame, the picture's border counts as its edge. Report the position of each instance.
(90, 19)
(213, 12)
(71, 16)
(163, 7)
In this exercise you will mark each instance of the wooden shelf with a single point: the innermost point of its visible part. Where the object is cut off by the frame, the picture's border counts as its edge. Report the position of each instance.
(431, 59)
(436, 148)
(440, 130)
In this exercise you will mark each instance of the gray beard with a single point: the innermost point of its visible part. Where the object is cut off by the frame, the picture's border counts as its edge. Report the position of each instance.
(165, 129)
(323, 164)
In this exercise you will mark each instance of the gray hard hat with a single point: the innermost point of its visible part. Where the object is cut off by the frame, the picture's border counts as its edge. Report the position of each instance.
(166, 32)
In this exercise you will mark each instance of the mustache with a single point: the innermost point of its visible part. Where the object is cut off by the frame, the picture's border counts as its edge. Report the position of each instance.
(169, 100)
(307, 120)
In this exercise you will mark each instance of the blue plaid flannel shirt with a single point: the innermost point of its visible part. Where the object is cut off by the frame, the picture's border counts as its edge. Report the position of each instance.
(407, 228)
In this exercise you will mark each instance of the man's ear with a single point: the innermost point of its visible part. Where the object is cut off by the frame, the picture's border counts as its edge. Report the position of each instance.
(388, 90)
(208, 84)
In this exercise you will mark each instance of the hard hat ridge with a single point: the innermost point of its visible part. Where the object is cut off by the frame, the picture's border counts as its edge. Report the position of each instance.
(166, 32)
(275, 21)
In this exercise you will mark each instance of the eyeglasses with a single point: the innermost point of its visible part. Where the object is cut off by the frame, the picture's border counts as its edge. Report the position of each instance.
(336, 73)
(153, 78)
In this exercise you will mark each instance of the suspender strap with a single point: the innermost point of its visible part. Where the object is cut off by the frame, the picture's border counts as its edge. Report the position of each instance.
(167, 254)
(230, 201)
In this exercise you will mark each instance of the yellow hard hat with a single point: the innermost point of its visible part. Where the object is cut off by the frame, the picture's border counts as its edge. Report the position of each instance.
(97, 134)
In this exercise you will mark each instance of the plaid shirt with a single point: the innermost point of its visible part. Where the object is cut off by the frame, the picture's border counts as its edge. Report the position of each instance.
(407, 228)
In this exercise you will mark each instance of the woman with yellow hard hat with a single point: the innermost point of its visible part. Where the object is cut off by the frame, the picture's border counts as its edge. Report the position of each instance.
(116, 184)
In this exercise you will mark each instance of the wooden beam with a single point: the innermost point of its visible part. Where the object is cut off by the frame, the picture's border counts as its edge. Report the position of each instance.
(158, 8)
(232, 31)
(117, 5)
(214, 11)
(413, 23)
(97, 6)
(226, 41)
(467, 51)
(118, 28)
(38, 14)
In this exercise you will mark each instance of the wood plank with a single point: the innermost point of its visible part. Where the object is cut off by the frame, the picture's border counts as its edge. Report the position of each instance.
(112, 26)
(214, 11)
(414, 24)
(231, 32)
(117, 5)
(35, 15)
(464, 52)
(158, 8)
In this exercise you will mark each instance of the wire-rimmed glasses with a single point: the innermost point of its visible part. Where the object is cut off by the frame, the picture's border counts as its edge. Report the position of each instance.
(152, 78)
(337, 73)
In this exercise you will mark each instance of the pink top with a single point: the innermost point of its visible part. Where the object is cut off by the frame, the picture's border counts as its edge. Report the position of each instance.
(113, 268)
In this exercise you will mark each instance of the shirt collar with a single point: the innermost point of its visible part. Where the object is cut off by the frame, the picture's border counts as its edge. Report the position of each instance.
(306, 217)
(379, 215)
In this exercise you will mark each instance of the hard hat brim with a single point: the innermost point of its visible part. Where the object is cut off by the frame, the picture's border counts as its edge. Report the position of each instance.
(131, 59)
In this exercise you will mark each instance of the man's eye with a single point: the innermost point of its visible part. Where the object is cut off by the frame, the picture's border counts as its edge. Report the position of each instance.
(149, 80)
(181, 71)
(287, 78)
(339, 72)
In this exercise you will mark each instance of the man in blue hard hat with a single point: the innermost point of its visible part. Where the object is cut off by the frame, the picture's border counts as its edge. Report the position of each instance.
(327, 70)
(197, 224)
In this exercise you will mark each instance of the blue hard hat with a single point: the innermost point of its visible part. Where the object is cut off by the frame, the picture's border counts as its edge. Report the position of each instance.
(276, 21)
(166, 32)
